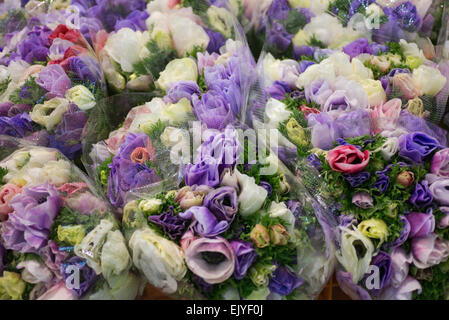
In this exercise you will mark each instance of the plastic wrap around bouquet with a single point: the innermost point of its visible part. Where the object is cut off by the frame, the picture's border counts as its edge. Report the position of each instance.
(59, 238)
(343, 104)
(50, 80)
(135, 52)
(230, 230)
(128, 147)
(313, 104)
(297, 27)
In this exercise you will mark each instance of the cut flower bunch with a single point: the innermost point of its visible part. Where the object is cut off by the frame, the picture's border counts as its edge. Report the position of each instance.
(229, 231)
(59, 239)
(50, 80)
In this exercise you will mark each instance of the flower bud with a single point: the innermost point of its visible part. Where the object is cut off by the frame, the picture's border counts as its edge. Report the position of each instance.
(279, 235)
(188, 198)
(392, 209)
(416, 107)
(405, 178)
(374, 229)
(140, 155)
(296, 133)
(260, 274)
(283, 184)
(150, 206)
(260, 236)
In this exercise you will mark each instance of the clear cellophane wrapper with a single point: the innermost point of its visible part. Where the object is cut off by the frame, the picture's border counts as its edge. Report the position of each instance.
(60, 239)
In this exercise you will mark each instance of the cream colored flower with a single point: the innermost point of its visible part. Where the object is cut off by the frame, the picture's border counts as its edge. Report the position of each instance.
(49, 114)
(375, 91)
(251, 197)
(115, 258)
(429, 80)
(221, 20)
(177, 70)
(159, 259)
(82, 97)
(352, 241)
(90, 248)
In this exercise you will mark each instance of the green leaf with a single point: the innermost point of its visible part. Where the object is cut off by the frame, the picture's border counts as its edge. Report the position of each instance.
(437, 288)
(156, 61)
(156, 130)
(103, 172)
(395, 48)
(3, 173)
(35, 93)
(314, 42)
(294, 22)
(198, 6)
(4, 85)
(68, 217)
(194, 52)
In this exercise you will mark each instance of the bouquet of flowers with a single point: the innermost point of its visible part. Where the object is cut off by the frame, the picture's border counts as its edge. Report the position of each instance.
(12, 18)
(232, 230)
(393, 196)
(349, 100)
(313, 104)
(211, 89)
(137, 51)
(92, 16)
(59, 239)
(295, 27)
(252, 17)
(50, 80)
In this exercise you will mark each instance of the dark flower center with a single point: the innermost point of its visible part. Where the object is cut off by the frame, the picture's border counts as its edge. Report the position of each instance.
(359, 249)
(213, 257)
(227, 202)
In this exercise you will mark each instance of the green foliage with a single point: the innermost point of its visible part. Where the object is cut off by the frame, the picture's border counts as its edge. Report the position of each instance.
(194, 52)
(35, 94)
(314, 42)
(68, 217)
(103, 172)
(167, 202)
(93, 87)
(198, 6)
(202, 83)
(368, 142)
(377, 73)
(395, 48)
(4, 85)
(283, 255)
(3, 173)
(437, 286)
(156, 130)
(293, 106)
(389, 205)
(294, 22)
(156, 61)
(274, 180)
(152, 165)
